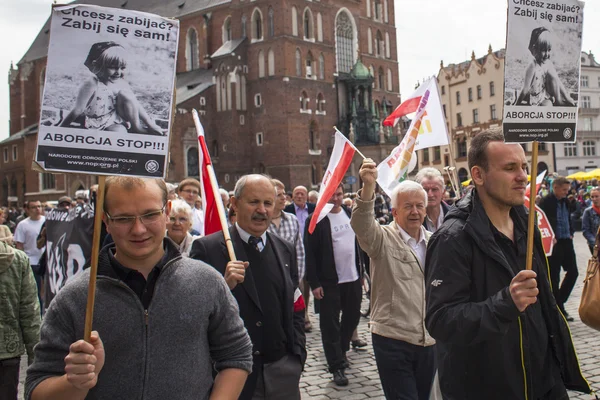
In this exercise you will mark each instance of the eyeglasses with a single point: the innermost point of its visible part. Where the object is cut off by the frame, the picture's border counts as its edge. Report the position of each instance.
(189, 191)
(181, 220)
(129, 220)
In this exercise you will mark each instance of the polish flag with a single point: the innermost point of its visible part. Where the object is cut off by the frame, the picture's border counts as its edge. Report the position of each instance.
(433, 130)
(397, 165)
(299, 304)
(538, 184)
(341, 157)
(210, 200)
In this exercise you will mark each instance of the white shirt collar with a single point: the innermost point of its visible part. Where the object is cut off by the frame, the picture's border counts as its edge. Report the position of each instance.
(406, 237)
(245, 235)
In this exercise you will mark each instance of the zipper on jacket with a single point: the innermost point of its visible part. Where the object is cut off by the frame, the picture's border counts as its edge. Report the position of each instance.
(146, 320)
(523, 359)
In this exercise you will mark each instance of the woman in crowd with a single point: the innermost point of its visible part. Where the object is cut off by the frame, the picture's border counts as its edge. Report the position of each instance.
(178, 227)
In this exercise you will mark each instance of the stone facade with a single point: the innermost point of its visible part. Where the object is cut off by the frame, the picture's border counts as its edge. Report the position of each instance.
(268, 89)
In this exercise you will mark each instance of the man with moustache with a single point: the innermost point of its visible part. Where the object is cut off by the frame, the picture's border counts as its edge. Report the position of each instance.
(497, 326)
(168, 324)
(264, 281)
(432, 181)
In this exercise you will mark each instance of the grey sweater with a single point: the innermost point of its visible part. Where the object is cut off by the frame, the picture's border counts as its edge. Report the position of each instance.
(193, 325)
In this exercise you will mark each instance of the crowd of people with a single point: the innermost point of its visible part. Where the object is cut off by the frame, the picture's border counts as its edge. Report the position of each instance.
(179, 314)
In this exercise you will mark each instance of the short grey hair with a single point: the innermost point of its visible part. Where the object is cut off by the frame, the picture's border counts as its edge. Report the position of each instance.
(407, 187)
(223, 192)
(241, 183)
(313, 193)
(181, 207)
(430, 173)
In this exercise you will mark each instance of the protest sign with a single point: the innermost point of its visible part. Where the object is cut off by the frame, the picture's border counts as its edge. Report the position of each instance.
(108, 94)
(68, 245)
(542, 65)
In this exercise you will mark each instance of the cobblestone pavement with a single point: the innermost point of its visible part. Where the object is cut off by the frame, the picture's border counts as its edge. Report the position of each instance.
(364, 383)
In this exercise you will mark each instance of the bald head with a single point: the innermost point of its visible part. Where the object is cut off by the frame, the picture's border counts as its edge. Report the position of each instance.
(299, 196)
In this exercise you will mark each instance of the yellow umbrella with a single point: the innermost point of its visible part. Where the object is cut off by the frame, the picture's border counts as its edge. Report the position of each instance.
(468, 181)
(591, 174)
(577, 175)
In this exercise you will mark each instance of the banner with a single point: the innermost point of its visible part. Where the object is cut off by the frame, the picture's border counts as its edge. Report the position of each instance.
(433, 131)
(402, 160)
(68, 245)
(108, 93)
(339, 162)
(542, 67)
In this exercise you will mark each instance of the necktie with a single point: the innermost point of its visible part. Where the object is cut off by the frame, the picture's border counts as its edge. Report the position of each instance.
(255, 242)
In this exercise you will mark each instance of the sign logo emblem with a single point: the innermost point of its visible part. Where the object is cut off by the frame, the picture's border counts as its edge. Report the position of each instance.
(567, 133)
(152, 166)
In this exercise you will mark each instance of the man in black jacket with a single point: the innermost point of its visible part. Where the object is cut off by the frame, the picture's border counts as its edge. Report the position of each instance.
(333, 272)
(557, 209)
(265, 284)
(498, 329)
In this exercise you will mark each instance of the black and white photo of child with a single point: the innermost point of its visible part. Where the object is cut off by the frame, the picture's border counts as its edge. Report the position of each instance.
(542, 85)
(106, 100)
(542, 57)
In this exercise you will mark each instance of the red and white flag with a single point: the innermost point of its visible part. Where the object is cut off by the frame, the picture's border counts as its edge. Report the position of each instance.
(433, 130)
(210, 200)
(538, 184)
(341, 157)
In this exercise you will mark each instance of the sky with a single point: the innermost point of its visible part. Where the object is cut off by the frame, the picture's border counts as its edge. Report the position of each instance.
(428, 31)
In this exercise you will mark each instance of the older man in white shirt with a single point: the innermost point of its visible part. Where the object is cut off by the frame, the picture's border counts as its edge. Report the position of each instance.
(404, 350)
(433, 182)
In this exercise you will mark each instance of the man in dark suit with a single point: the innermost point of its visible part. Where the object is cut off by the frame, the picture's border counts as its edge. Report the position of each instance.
(556, 208)
(432, 181)
(301, 209)
(265, 283)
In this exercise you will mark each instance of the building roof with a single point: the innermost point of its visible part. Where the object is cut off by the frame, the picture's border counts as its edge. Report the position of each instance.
(192, 83)
(359, 71)
(227, 48)
(165, 8)
(456, 68)
(30, 130)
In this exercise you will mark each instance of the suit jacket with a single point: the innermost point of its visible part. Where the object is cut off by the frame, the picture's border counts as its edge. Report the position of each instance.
(212, 250)
(291, 208)
(445, 208)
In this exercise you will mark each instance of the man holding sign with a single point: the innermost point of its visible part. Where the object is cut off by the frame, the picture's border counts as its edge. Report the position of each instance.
(498, 329)
(167, 323)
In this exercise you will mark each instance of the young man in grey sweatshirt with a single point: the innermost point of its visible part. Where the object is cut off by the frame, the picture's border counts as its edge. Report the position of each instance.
(167, 323)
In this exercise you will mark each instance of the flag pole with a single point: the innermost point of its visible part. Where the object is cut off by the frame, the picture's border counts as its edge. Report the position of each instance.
(532, 216)
(215, 189)
(99, 207)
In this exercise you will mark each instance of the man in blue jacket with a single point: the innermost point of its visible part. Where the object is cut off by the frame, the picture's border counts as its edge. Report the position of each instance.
(498, 329)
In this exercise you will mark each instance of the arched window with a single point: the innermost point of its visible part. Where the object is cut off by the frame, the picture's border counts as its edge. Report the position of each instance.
(238, 92)
(271, 22)
(257, 29)
(379, 45)
(218, 87)
(298, 63)
(369, 41)
(321, 66)
(385, 11)
(313, 140)
(390, 80)
(377, 10)
(228, 91)
(294, 21)
(376, 108)
(271, 62)
(261, 64)
(214, 150)
(319, 27)
(243, 80)
(368, 4)
(381, 79)
(314, 174)
(309, 65)
(304, 101)
(193, 168)
(227, 30)
(345, 41)
(308, 24)
(320, 102)
(244, 26)
(372, 73)
(191, 50)
(42, 82)
(387, 45)
(223, 92)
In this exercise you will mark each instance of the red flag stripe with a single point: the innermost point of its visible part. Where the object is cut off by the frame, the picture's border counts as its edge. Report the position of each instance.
(211, 214)
(334, 181)
(407, 107)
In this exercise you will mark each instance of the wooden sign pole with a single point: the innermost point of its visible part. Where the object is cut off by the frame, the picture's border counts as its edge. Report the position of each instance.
(532, 194)
(99, 207)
